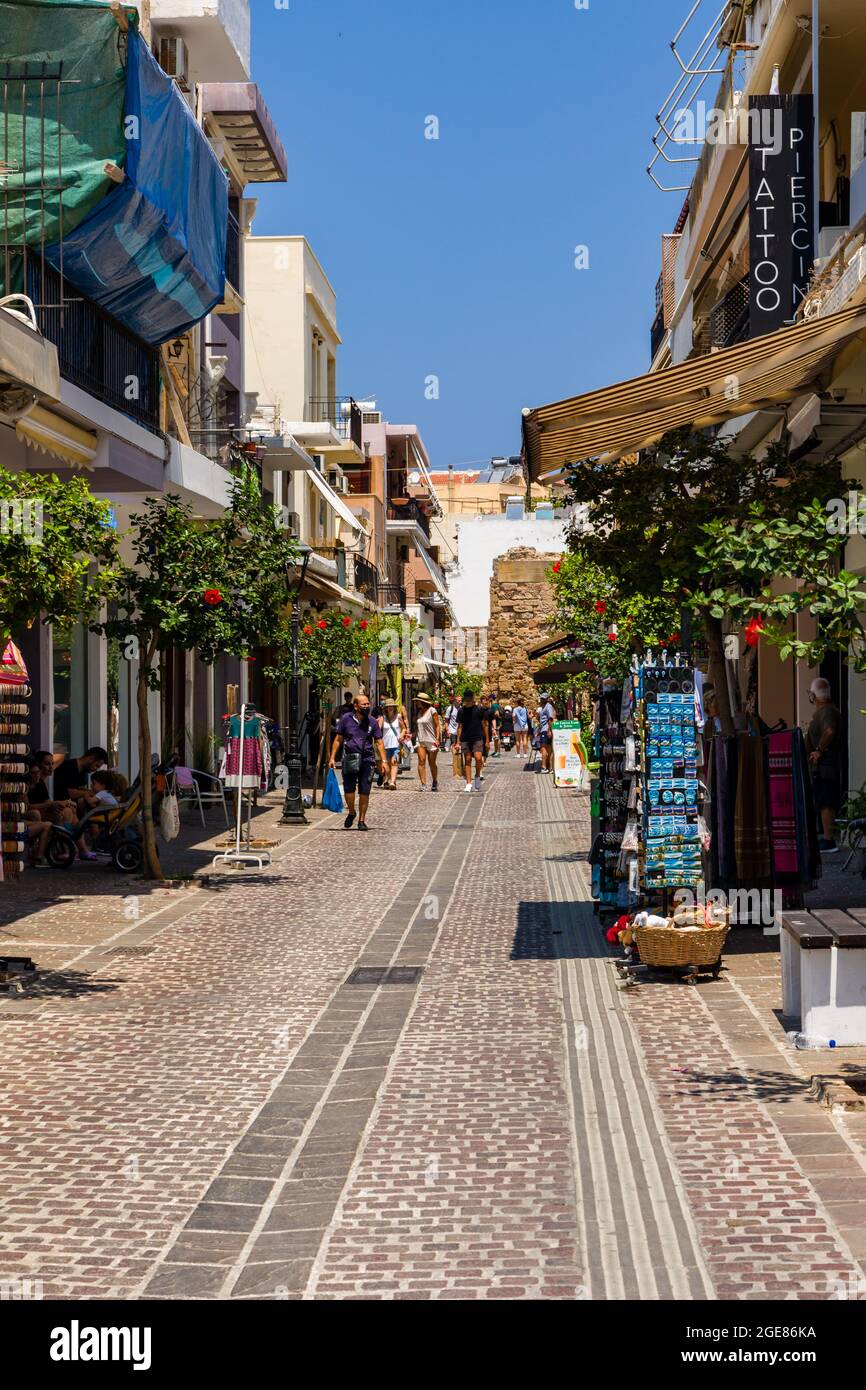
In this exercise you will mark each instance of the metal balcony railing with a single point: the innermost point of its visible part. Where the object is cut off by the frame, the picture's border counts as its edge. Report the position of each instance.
(342, 413)
(95, 351)
(409, 510)
(233, 253)
(367, 579)
(657, 332)
(392, 596)
(729, 319)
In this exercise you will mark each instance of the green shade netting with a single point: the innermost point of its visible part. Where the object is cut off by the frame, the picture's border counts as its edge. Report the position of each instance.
(36, 152)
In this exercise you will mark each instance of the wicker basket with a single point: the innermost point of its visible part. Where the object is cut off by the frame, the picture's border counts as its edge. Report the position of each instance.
(680, 945)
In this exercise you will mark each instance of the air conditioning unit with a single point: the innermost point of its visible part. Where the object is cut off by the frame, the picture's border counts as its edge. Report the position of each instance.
(173, 57)
(338, 480)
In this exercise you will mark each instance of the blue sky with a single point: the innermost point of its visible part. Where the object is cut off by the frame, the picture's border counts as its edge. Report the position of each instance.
(455, 257)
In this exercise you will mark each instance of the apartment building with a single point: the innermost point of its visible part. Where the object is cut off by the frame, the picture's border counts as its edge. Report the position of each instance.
(760, 307)
(717, 289)
(482, 491)
(148, 392)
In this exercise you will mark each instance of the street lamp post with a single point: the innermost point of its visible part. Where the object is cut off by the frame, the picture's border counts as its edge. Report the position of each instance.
(293, 806)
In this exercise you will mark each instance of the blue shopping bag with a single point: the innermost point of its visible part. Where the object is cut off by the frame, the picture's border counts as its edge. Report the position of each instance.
(332, 798)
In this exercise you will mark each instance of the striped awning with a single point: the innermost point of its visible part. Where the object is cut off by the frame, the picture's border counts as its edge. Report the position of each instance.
(703, 391)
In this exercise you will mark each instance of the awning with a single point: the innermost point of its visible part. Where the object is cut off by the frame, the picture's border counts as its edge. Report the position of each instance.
(44, 430)
(559, 672)
(703, 391)
(336, 502)
(551, 644)
(434, 571)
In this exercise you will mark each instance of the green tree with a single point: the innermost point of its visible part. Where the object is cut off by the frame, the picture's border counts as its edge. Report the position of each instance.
(808, 546)
(458, 680)
(647, 521)
(609, 624)
(212, 586)
(329, 643)
(58, 551)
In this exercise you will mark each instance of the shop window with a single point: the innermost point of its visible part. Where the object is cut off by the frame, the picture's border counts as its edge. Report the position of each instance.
(69, 674)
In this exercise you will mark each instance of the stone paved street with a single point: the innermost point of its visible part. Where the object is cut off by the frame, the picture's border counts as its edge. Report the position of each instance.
(397, 1066)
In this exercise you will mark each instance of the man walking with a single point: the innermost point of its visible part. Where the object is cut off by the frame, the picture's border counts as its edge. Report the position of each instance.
(359, 738)
(823, 743)
(451, 714)
(546, 716)
(495, 725)
(474, 736)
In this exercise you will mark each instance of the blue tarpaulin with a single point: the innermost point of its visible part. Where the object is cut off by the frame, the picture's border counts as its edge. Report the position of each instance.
(153, 252)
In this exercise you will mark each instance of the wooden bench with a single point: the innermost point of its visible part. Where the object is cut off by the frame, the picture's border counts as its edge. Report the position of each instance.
(824, 973)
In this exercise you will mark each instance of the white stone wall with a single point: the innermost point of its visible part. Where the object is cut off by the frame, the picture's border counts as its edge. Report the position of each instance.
(482, 540)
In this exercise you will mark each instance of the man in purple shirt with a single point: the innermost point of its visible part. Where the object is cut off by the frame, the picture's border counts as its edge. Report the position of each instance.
(360, 738)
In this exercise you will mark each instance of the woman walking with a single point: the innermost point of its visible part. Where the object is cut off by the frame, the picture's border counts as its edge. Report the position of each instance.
(429, 740)
(395, 732)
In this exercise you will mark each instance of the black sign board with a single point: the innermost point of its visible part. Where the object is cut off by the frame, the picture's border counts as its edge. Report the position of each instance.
(781, 209)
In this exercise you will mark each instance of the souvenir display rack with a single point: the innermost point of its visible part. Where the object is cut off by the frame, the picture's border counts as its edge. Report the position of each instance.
(671, 844)
(14, 731)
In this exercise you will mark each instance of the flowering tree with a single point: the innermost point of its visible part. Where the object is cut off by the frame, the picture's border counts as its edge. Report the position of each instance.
(647, 522)
(210, 586)
(608, 623)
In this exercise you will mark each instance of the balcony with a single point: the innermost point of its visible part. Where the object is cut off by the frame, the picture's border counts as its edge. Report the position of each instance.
(366, 579)
(406, 513)
(233, 253)
(217, 33)
(392, 596)
(729, 319)
(341, 413)
(236, 115)
(95, 351)
(657, 333)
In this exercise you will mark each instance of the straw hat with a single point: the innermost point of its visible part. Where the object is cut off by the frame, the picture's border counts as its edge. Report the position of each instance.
(390, 704)
(422, 698)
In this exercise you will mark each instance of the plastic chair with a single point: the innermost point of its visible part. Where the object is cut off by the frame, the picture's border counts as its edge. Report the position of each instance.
(186, 787)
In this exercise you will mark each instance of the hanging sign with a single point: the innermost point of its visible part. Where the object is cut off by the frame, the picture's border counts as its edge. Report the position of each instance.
(569, 759)
(781, 209)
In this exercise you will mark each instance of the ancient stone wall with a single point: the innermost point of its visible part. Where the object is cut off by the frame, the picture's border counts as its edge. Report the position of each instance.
(521, 606)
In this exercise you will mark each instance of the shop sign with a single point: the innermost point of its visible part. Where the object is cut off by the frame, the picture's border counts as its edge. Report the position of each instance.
(569, 759)
(781, 210)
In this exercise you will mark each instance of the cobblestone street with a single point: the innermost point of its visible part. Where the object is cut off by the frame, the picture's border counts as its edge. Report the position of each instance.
(209, 1101)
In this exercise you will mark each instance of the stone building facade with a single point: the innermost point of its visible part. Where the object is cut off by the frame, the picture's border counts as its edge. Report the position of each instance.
(521, 607)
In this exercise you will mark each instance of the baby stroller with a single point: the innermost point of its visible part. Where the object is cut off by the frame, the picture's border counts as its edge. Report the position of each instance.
(115, 830)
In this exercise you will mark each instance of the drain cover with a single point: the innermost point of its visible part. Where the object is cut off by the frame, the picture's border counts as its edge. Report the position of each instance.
(404, 975)
(367, 975)
(381, 975)
(129, 951)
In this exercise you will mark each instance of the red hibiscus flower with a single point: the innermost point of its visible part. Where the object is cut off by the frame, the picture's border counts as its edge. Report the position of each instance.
(557, 567)
(363, 624)
(601, 607)
(321, 624)
(754, 629)
(213, 597)
(612, 636)
(308, 632)
(347, 622)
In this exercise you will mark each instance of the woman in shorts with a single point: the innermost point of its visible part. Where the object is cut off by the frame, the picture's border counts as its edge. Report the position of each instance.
(429, 729)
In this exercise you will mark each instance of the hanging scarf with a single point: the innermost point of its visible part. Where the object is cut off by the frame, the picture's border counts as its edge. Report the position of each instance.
(751, 827)
(783, 823)
(724, 803)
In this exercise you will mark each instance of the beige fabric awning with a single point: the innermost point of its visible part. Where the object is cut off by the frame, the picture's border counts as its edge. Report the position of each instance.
(703, 391)
(53, 434)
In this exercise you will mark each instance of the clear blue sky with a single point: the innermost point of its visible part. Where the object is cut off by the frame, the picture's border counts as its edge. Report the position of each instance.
(456, 257)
